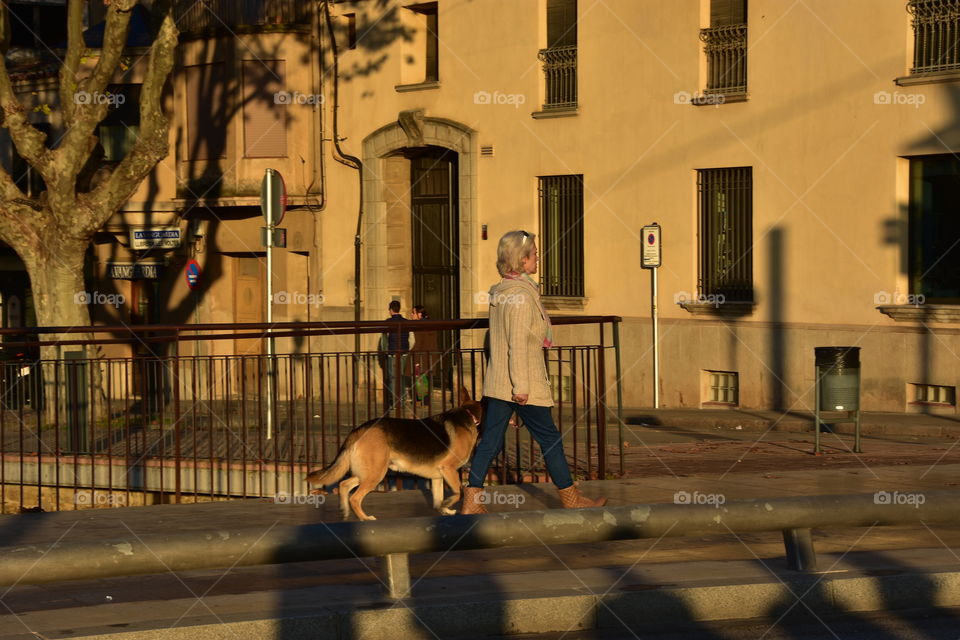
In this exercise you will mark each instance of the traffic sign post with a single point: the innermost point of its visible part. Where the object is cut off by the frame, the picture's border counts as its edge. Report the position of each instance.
(273, 204)
(650, 258)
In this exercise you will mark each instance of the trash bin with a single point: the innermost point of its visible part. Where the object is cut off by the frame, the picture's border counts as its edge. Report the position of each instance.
(837, 388)
(838, 375)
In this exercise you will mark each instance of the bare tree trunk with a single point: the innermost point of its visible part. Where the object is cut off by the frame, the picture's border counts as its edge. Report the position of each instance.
(60, 300)
(56, 277)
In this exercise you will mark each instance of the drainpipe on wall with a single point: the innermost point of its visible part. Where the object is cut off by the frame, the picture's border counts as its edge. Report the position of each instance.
(350, 161)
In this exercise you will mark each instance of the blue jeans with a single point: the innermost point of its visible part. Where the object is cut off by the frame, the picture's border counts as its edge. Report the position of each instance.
(395, 393)
(540, 423)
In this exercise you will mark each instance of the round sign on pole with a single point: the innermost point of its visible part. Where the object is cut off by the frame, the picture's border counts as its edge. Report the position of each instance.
(192, 275)
(650, 255)
(273, 197)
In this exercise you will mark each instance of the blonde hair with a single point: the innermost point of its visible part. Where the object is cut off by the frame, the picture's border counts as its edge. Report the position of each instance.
(513, 247)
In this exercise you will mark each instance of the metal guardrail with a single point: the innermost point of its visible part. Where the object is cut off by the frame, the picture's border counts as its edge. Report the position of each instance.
(171, 425)
(394, 539)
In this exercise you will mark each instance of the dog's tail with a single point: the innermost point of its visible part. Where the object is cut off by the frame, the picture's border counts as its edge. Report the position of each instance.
(340, 465)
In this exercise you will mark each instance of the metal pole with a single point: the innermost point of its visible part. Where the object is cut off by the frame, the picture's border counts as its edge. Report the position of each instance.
(269, 303)
(816, 413)
(801, 555)
(616, 350)
(656, 341)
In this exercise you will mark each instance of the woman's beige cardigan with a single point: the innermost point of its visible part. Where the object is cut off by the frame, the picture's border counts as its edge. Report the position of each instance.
(517, 331)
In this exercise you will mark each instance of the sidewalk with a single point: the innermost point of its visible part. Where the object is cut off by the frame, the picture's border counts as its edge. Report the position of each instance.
(524, 590)
(872, 423)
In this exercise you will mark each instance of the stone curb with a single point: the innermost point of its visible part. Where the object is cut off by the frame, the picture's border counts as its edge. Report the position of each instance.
(823, 595)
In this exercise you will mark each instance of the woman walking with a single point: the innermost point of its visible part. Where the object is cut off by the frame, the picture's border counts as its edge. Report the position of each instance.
(516, 380)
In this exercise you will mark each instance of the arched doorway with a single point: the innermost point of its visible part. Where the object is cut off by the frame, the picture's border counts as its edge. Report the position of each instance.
(418, 220)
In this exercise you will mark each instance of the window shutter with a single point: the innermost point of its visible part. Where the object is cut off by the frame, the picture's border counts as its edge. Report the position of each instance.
(561, 23)
(727, 12)
(264, 121)
(433, 45)
(206, 112)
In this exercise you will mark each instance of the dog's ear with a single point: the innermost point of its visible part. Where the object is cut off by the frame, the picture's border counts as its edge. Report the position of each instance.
(475, 409)
(465, 397)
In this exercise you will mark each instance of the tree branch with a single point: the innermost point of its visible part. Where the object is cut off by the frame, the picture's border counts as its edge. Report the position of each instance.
(17, 212)
(153, 143)
(76, 145)
(68, 72)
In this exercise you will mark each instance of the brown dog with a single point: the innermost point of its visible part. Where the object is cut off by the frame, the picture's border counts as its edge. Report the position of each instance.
(434, 447)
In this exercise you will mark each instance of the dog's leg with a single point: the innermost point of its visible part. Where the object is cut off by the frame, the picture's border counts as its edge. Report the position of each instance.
(452, 479)
(436, 489)
(346, 487)
(367, 485)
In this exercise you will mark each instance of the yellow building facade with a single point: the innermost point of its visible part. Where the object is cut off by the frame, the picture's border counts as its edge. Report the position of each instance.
(799, 158)
(800, 164)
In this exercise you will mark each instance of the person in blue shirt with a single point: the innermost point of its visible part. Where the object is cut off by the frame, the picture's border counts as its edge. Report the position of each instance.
(395, 345)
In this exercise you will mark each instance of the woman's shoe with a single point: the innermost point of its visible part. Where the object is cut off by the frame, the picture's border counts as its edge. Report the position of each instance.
(573, 499)
(472, 501)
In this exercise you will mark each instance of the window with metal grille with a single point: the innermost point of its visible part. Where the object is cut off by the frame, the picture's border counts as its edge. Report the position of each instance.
(723, 387)
(936, 35)
(560, 57)
(725, 46)
(561, 235)
(934, 394)
(726, 232)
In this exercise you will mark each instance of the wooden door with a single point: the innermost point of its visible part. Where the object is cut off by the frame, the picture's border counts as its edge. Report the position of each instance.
(248, 306)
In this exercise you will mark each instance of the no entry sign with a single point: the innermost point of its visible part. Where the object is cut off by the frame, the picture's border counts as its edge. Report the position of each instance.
(192, 275)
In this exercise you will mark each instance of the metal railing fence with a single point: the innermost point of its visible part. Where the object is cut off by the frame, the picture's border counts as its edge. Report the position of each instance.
(175, 425)
(726, 51)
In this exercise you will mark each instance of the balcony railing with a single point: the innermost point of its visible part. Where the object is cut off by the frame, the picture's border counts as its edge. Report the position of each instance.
(936, 32)
(560, 72)
(726, 50)
(200, 16)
